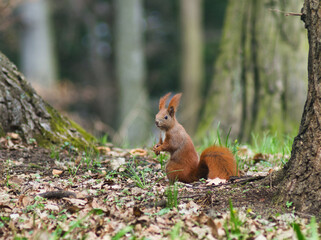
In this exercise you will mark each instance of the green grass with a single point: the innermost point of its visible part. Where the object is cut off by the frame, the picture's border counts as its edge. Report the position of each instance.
(172, 196)
(176, 232)
(265, 143)
(233, 226)
(271, 143)
(136, 174)
(312, 231)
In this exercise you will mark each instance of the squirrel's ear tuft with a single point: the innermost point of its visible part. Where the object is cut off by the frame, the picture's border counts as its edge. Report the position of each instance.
(163, 100)
(173, 104)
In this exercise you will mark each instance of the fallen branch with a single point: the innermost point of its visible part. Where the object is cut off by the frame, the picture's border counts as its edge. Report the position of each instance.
(57, 194)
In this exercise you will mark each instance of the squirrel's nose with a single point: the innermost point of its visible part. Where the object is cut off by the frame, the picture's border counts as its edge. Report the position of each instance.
(157, 122)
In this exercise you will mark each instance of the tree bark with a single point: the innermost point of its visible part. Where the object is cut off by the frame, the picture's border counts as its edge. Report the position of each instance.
(192, 62)
(23, 111)
(299, 181)
(259, 78)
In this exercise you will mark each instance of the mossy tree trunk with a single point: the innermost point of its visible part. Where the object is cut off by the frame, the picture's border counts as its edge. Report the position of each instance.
(299, 181)
(23, 111)
(259, 79)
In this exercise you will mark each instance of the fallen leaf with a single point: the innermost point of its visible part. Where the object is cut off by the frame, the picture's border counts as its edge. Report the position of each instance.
(13, 136)
(137, 212)
(215, 181)
(56, 172)
(51, 207)
(213, 227)
(103, 149)
(138, 152)
(260, 157)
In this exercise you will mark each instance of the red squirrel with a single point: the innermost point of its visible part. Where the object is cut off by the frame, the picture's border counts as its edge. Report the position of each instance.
(183, 165)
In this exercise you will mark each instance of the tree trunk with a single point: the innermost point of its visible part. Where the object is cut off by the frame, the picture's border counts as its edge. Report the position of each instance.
(299, 180)
(130, 69)
(259, 82)
(38, 60)
(192, 62)
(23, 111)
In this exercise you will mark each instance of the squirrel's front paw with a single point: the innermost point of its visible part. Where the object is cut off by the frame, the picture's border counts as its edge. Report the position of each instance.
(156, 149)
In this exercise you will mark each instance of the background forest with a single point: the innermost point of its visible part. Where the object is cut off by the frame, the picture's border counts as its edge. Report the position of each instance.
(241, 65)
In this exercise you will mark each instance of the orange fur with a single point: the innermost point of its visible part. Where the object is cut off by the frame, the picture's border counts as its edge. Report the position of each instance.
(217, 162)
(184, 165)
(173, 104)
(163, 100)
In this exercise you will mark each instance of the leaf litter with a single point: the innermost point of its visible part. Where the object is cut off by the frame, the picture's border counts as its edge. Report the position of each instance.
(124, 194)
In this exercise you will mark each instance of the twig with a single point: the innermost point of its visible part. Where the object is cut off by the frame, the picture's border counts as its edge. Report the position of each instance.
(286, 13)
(57, 194)
(236, 180)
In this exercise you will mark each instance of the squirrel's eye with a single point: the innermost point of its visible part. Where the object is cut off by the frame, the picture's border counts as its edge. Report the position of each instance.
(166, 117)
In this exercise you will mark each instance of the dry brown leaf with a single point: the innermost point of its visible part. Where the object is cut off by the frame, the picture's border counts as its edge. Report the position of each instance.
(260, 157)
(5, 208)
(137, 212)
(23, 201)
(56, 172)
(76, 202)
(138, 152)
(103, 149)
(213, 227)
(13, 136)
(202, 218)
(215, 181)
(78, 159)
(153, 229)
(51, 207)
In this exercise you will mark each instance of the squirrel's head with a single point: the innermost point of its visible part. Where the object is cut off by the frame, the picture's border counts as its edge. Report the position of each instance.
(165, 118)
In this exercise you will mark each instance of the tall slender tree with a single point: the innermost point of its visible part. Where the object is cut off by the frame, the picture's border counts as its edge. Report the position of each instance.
(38, 58)
(130, 70)
(192, 61)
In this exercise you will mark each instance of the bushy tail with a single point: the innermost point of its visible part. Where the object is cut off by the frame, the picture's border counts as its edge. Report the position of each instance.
(217, 162)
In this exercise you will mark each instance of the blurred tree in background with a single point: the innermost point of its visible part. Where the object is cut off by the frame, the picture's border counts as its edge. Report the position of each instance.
(133, 116)
(260, 76)
(257, 84)
(192, 61)
(38, 58)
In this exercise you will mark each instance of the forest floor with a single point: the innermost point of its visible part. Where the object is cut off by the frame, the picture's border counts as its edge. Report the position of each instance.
(124, 194)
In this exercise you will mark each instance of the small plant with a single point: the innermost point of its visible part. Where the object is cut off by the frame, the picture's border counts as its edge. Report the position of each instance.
(4, 220)
(7, 172)
(162, 159)
(32, 141)
(68, 146)
(37, 205)
(122, 232)
(137, 175)
(104, 139)
(54, 153)
(172, 196)
(176, 233)
(288, 204)
(91, 159)
(298, 232)
(233, 229)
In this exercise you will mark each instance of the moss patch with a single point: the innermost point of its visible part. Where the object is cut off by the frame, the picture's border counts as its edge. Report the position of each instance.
(61, 130)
